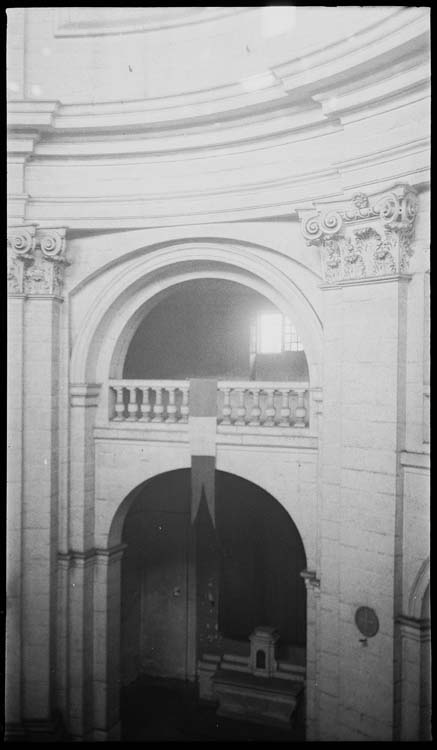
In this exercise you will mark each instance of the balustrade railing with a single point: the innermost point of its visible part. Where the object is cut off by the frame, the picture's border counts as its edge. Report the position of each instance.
(251, 403)
(154, 401)
(263, 404)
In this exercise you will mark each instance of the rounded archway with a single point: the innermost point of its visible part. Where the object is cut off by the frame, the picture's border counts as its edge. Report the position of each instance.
(148, 277)
(189, 590)
(212, 327)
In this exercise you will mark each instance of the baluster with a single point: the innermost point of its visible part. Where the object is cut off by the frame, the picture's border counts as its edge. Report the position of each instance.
(269, 421)
(132, 406)
(285, 408)
(171, 407)
(256, 409)
(159, 406)
(185, 409)
(146, 406)
(227, 408)
(300, 412)
(119, 404)
(241, 408)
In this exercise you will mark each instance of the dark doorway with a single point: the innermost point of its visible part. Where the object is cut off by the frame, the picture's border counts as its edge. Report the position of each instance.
(262, 556)
(256, 550)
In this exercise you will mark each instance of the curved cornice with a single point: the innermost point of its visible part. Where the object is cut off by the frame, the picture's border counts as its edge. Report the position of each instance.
(289, 89)
(80, 23)
(351, 114)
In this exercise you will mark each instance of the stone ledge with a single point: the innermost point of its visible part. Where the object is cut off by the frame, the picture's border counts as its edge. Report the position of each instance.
(416, 460)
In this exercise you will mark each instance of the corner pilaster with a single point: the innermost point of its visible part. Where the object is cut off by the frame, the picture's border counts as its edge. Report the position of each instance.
(365, 248)
(36, 264)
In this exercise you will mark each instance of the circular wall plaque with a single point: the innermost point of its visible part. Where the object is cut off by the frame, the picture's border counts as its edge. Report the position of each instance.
(367, 621)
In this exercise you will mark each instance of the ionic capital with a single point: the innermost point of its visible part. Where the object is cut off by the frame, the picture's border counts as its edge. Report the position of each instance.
(36, 260)
(365, 237)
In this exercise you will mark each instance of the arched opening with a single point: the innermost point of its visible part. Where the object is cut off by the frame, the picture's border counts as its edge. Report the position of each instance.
(105, 334)
(260, 659)
(247, 574)
(262, 556)
(216, 328)
(154, 579)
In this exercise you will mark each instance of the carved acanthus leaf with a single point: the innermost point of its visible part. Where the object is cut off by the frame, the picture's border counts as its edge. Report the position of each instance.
(365, 238)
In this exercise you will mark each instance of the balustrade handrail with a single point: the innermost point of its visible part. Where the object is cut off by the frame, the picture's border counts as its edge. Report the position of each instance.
(125, 383)
(246, 384)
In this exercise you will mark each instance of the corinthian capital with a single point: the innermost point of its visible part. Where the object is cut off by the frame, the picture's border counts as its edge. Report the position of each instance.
(36, 260)
(365, 237)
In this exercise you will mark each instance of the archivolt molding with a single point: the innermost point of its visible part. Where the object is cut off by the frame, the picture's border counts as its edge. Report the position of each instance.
(366, 237)
(114, 315)
(36, 260)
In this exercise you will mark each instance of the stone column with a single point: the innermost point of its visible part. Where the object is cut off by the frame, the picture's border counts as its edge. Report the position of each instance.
(36, 262)
(365, 247)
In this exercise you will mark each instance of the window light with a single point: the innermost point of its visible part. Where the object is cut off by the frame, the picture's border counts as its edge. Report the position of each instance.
(270, 333)
(273, 333)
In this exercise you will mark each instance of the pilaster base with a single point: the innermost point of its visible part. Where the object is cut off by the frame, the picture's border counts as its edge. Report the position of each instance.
(107, 735)
(14, 733)
(45, 730)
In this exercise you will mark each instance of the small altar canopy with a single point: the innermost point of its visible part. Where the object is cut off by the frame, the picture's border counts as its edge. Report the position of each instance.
(262, 660)
(260, 690)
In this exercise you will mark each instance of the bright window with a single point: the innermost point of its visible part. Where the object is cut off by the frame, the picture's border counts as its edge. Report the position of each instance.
(273, 333)
(292, 342)
(270, 334)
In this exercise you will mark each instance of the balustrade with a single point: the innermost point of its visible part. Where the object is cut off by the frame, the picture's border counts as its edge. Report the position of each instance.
(255, 404)
(150, 401)
(262, 404)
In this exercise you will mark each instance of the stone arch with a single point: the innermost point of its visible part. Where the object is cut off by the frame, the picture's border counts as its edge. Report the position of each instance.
(110, 518)
(110, 599)
(241, 499)
(111, 512)
(419, 590)
(287, 597)
(302, 514)
(102, 341)
(116, 526)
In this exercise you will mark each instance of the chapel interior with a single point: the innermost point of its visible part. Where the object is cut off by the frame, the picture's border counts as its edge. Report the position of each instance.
(218, 360)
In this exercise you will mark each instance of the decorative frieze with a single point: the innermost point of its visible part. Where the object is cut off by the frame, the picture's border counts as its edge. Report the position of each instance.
(365, 238)
(36, 260)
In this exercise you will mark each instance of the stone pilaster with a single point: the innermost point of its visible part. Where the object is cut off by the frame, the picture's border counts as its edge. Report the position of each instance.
(106, 644)
(80, 577)
(312, 584)
(15, 373)
(36, 263)
(415, 680)
(365, 246)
